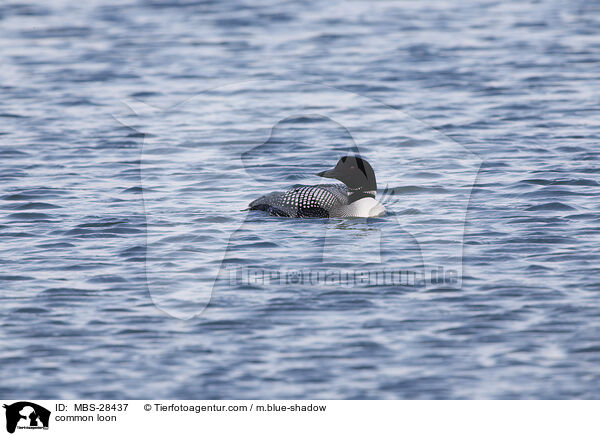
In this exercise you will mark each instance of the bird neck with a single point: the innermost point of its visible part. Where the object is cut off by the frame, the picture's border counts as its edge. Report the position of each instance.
(354, 195)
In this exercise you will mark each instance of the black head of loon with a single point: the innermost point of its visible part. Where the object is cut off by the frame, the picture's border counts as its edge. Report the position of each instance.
(356, 173)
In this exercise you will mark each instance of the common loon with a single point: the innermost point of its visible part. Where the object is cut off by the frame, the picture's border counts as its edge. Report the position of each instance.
(355, 198)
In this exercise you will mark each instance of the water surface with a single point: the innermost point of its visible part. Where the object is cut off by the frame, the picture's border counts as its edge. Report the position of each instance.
(256, 96)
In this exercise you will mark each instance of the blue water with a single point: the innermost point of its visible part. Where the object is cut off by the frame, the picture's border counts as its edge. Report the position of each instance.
(133, 135)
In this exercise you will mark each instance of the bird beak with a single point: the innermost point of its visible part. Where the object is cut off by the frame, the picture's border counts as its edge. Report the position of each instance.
(330, 174)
